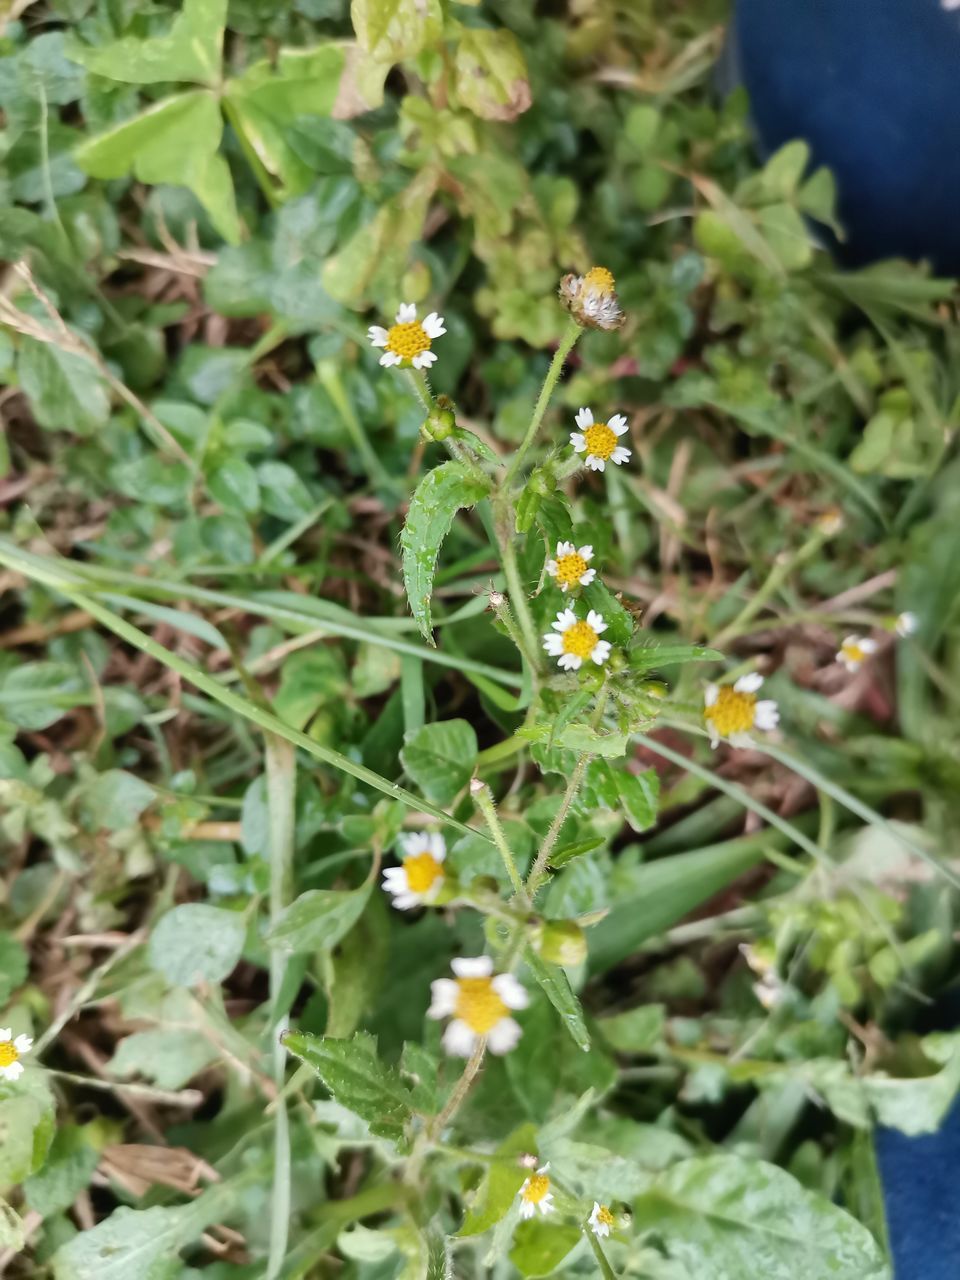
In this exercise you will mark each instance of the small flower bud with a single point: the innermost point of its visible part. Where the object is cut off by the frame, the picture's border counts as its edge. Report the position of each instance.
(476, 786)
(441, 421)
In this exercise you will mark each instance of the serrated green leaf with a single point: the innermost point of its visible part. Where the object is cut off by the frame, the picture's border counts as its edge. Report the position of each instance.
(356, 1077)
(490, 74)
(176, 142)
(556, 986)
(189, 51)
(441, 758)
(318, 919)
(498, 1190)
(196, 943)
(735, 1219)
(540, 1246)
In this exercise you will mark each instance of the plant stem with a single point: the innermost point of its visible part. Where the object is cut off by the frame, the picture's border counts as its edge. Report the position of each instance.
(782, 568)
(568, 341)
(606, 1270)
(329, 377)
(460, 1091)
(518, 598)
(484, 802)
(539, 869)
(281, 768)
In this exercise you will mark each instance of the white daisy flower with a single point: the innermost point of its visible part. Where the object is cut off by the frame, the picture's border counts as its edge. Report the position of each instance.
(570, 568)
(855, 650)
(592, 299)
(536, 1194)
(598, 440)
(601, 1220)
(408, 341)
(11, 1051)
(907, 623)
(419, 877)
(479, 1003)
(732, 711)
(573, 641)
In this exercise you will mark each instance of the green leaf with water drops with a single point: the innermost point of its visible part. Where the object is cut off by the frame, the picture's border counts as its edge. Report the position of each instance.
(443, 492)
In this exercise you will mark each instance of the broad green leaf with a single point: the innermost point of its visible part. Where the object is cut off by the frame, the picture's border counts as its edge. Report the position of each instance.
(490, 74)
(37, 694)
(169, 1058)
(390, 30)
(439, 496)
(441, 758)
(357, 1079)
(138, 1242)
(189, 51)
(233, 484)
(65, 390)
(653, 897)
(540, 1245)
(14, 965)
(653, 655)
(175, 141)
(734, 1219)
(318, 919)
(639, 793)
(356, 969)
(556, 987)
(27, 1119)
(310, 680)
(116, 799)
(67, 1172)
(196, 943)
(498, 1190)
(638, 1030)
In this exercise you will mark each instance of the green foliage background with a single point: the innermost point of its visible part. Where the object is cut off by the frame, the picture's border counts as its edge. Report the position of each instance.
(217, 711)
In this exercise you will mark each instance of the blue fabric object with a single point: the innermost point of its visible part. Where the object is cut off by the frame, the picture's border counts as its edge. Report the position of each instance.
(874, 87)
(921, 1187)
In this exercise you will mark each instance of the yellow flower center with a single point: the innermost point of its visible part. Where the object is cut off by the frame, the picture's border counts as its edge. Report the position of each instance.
(852, 652)
(580, 640)
(570, 569)
(8, 1053)
(604, 1217)
(537, 1187)
(479, 1005)
(733, 712)
(600, 440)
(407, 340)
(422, 870)
(599, 280)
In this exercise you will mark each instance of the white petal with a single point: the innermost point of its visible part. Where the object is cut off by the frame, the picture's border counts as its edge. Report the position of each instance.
(767, 716)
(584, 418)
(407, 901)
(551, 568)
(595, 464)
(617, 424)
(395, 880)
(749, 683)
(544, 1168)
(504, 1036)
(377, 335)
(424, 360)
(868, 645)
(586, 553)
(595, 620)
(907, 624)
(570, 662)
(511, 992)
(546, 1203)
(578, 442)
(438, 848)
(6, 1033)
(472, 967)
(587, 577)
(458, 1039)
(445, 993)
(600, 652)
(566, 618)
(714, 736)
(710, 694)
(433, 325)
(553, 644)
(620, 455)
(415, 842)
(12, 1072)
(407, 313)
(390, 358)
(527, 1208)
(565, 549)
(741, 740)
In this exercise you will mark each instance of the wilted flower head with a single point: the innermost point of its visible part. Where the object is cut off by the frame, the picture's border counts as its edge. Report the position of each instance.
(592, 299)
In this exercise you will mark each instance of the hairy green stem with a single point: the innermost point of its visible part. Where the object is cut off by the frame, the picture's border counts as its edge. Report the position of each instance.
(518, 598)
(568, 341)
(281, 768)
(484, 802)
(606, 1270)
(460, 1091)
